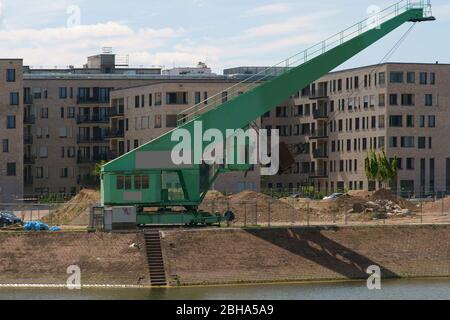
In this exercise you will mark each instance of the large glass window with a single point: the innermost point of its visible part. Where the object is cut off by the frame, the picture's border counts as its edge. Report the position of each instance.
(396, 77)
(10, 75)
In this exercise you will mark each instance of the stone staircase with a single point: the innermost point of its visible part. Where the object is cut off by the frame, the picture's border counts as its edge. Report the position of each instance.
(155, 258)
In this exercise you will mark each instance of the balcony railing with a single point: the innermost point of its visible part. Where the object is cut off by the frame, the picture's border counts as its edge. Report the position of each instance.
(117, 111)
(320, 154)
(319, 174)
(319, 134)
(84, 118)
(28, 139)
(320, 114)
(91, 100)
(29, 119)
(86, 139)
(29, 159)
(84, 159)
(100, 157)
(114, 134)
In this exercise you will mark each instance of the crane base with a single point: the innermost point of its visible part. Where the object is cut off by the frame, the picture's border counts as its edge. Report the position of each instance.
(195, 218)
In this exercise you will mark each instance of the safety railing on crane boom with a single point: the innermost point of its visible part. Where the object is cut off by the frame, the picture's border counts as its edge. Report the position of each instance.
(280, 68)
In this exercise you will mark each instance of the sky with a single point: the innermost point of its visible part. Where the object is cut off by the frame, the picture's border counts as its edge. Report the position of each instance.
(222, 33)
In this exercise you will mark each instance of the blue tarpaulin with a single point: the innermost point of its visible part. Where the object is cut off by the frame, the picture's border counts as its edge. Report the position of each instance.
(39, 226)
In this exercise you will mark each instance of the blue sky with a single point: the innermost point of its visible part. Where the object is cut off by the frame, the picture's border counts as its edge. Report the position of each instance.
(224, 33)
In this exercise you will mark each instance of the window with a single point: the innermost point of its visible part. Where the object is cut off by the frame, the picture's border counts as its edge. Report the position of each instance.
(421, 142)
(411, 77)
(431, 121)
(158, 122)
(120, 182)
(150, 100)
(396, 77)
(198, 97)
(224, 96)
(393, 100)
(62, 112)
(381, 100)
(11, 122)
(136, 101)
(63, 93)
(11, 169)
(381, 121)
(423, 78)
(175, 98)
(428, 100)
(44, 113)
(422, 121)
(14, 98)
(409, 163)
(382, 78)
(142, 101)
(396, 121)
(5, 145)
(71, 112)
(10, 75)
(407, 142)
(410, 121)
(158, 99)
(432, 78)
(407, 99)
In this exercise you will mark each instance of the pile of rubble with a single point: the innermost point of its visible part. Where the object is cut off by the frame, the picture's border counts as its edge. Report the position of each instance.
(383, 209)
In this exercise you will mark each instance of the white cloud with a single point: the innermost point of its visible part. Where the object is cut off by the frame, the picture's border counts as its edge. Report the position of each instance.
(69, 45)
(292, 24)
(275, 8)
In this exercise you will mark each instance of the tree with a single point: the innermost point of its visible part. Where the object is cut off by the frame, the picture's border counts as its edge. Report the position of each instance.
(98, 169)
(379, 168)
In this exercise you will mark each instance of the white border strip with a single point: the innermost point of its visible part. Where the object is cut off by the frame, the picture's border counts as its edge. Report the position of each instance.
(86, 286)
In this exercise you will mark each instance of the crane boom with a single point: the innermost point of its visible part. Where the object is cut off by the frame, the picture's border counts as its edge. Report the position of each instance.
(242, 108)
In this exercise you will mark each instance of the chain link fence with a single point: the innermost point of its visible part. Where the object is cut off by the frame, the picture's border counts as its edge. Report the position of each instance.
(278, 209)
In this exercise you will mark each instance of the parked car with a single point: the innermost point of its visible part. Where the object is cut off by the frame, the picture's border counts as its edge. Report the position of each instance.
(8, 218)
(334, 196)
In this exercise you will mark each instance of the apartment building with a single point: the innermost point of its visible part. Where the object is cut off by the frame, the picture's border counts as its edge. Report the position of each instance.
(67, 116)
(141, 114)
(332, 124)
(11, 130)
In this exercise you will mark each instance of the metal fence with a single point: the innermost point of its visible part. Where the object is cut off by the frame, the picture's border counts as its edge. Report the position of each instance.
(287, 209)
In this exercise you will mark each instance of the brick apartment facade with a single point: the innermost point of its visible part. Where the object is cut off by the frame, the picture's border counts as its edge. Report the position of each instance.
(332, 124)
(74, 118)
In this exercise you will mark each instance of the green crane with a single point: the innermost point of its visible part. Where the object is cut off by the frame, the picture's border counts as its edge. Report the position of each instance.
(147, 177)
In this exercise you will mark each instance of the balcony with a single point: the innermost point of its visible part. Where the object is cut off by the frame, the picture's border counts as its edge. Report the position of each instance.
(115, 134)
(96, 118)
(112, 155)
(117, 111)
(29, 119)
(320, 114)
(28, 139)
(91, 100)
(320, 154)
(319, 174)
(319, 134)
(319, 94)
(29, 159)
(84, 159)
(100, 157)
(81, 139)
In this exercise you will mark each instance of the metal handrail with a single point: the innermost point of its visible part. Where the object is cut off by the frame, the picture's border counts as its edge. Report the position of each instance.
(304, 56)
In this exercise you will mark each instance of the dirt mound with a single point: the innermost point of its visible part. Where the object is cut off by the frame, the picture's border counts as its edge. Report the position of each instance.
(437, 206)
(214, 195)
(384, 194)
(76, 211)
